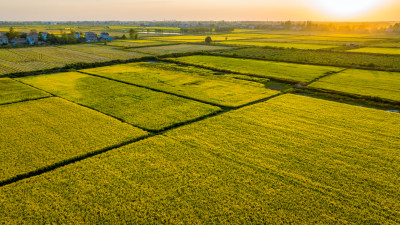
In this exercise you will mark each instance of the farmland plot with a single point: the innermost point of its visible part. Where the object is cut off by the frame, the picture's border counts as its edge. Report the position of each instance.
(13, 91)
(385, 85)
(169, 49)
(138, 106)
(292, 159)
(389, 51)
(278, 45)
(109, 52)
(198, 84)
(39, 133)
(284, 71)
(134, 43)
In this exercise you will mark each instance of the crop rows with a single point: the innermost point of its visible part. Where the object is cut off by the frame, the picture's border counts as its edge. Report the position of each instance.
(182, 48)
(291, 160)
(389, 51)
(138, 106)
(284, 71)
(278, 45)
(38, 133)
(199, 84)
(13, 91)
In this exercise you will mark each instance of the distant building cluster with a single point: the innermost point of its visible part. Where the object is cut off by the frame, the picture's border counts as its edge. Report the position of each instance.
(33, 38)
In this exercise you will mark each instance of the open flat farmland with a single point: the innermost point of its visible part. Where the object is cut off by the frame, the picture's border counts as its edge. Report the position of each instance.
(389, 51)
(169, 49)
(13, 91)
(109, 52)
(188, 38)
(337, 38)
(198, 84)
(385, 85)
(291, 160)
(39, 133)
(346, 59)
(138, 106)
(134, 43)
(285, 71)
(278, 45)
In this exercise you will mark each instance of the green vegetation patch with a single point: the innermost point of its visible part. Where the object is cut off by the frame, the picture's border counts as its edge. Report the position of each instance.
(169, 49)
(13, 91)
(39, 133)
(278, 45)
(291, 160)
(138, 106)
(285, 71)
(188, 81)
(370, 83)
(134, 43)
(320, 57)
(109, 52)
(390, 51)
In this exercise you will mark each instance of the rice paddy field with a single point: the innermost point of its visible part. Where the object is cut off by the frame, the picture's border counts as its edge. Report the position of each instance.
(390, 51)
(138, 106)
(277, 70)
(13, 91)
(369, 83)
(318, 163)
(199, 84)
(278, 45)
(182, 48)
(149, 132)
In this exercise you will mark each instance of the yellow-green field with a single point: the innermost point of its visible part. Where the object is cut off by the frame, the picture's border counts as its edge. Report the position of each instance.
(134, 43)
(278, 45)
(385, 85)
(105, 51)
(278, 70)
(182, 48)
(191, 82)
(390, 51)
(39, 133)
(138, 106)
(13, 91)
(291, 160)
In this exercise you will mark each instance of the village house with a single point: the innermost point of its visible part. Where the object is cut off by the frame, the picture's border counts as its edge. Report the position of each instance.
(45, 35)
(105, 36)
(18, 41)
(90, 37)
(32, 38)
(77, 35)
(3, 40)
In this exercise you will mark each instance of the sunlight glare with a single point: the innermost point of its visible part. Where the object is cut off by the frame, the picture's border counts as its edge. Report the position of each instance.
(348, 8)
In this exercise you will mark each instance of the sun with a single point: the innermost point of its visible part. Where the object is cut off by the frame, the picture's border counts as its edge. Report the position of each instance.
(347, 8)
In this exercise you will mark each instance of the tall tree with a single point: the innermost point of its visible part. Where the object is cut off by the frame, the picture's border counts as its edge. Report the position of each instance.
(132, 33)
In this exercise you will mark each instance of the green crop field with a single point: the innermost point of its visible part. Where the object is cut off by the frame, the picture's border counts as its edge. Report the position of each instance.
(329, 58)
(182, 48)
(337, 38)
(278, 45)
(188, 38)
(13, 91)
(105, 51)
(134, 43)
(192, 82)
(138, 106)
(390, 51)
(291, 160)
(385, 85)
(38, 133)
(286, 71)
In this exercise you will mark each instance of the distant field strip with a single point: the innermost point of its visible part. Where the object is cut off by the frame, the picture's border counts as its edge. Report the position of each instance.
(189, 38)
(182, 48)
(278, 45)
(285, 71)
(291, 160)
(391, 51)
(134, 43)
(198, 84)
(337, 38)
(105, 51)
(385, 85)
(13, 91)
(38, 133)
(41, 58)
(138, 106)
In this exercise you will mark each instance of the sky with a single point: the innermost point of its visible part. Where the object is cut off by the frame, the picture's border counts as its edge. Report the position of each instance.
(190, 10)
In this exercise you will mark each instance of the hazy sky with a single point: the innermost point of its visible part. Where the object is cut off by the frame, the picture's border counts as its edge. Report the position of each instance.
(321, 10)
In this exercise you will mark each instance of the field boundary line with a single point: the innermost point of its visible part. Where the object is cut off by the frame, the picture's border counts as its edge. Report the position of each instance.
(26, 100)
(325, 75)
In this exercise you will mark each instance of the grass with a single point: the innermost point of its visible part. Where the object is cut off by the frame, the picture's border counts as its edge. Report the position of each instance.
(170, 49)
(369, 83)
(390, 51)
(320, 57)
(38, 133)
(192, 82)
(291, 160)
(285, 71)
(12, 91)
(138, 106)
(278, 45)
